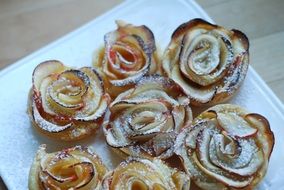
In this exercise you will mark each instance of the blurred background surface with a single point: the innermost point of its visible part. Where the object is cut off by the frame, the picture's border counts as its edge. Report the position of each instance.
(27, 25)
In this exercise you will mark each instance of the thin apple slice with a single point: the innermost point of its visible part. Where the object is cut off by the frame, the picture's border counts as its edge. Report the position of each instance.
(94, 100)
(128, 54)
(116, 135)
(145, 174)
(44, 95)
(202, 159)
(152, 94)
(180, 114)
(197, 94)
(92, 114)
(96, 82)
(61, 100)
(46, 125)
(265, 135)
(151, 129)
(131, 79)
(68, 89)
(200, 54)
(84, 172)
(45, 69)
(235, 125)
(225, 180)
(76, 175)
(59, 179)
(156, 82)
(244, 160)
(217, 58)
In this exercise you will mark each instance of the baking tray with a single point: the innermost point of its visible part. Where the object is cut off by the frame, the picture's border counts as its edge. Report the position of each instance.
(18, 140)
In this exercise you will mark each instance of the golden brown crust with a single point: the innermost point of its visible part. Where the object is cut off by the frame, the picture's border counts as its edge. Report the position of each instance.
(138, 173)
(226, 148)
(65, 103)
(208, 61)
(242, 37)
(259, 120)
(183, 28)
(76, 167)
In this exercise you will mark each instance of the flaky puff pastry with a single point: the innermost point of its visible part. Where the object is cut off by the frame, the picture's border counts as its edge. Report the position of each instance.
(143, 174)
(226, 148)
(145, 120)
(66, 103)
(72, 168)
(128, 54)
(208, 61)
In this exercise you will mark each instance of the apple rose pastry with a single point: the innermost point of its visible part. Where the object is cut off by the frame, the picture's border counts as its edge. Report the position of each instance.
(72, 168)
(226, 148)
(142, 174)
(129, 54)
(66, 103)
(208, 61)
(145, 120)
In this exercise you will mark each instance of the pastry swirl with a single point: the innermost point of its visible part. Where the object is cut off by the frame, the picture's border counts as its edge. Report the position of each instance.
(226, 148)
(129, 53)
(144, 121)
(66, 103)
(208, 61)
(138, 173)
(72, 168)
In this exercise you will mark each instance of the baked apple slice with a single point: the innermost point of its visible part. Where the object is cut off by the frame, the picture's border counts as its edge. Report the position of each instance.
(145, 120)
(129, 53)
(71, 168)
(207, 61)
(141, 174)
(226, 148)
(66, 103)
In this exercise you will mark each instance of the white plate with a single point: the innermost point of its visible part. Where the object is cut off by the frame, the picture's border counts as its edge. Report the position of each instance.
(19, 142)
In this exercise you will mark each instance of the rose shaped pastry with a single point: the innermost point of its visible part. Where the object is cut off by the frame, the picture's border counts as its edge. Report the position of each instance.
(207, 61)
(139, 174)
(66, 103)
(72, 168)
(226, 148)
(129, 54)
(144, 121)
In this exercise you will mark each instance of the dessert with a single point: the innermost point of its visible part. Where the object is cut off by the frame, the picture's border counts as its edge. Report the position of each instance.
(129, 53)
(145, 120)
(226, 148)
(66, 103)
(138, 173)
(207, 61)
(148, 117)
(71, 168)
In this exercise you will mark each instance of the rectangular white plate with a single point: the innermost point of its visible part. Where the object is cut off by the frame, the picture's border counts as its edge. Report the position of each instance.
(19, 142)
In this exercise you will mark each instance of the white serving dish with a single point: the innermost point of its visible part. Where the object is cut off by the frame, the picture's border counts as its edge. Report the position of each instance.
(19, 142)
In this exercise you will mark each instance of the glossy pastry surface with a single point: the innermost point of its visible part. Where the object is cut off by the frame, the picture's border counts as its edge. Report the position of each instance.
(66, 103)
(208, 61)
(226, 148)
